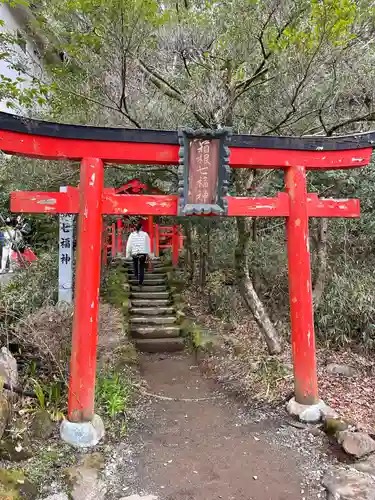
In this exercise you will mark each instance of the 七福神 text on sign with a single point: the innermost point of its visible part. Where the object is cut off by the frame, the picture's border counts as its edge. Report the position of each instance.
(66, 236)
(203, 171)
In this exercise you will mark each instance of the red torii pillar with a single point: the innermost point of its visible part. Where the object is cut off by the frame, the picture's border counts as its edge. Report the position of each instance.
(86, 295)
(300, 288)
(91, 202)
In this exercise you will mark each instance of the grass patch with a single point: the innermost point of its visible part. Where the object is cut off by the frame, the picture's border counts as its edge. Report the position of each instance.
(115, 290)
(113, 393)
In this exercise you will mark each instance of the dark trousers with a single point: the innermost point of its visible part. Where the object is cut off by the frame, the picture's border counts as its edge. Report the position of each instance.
(139, 263)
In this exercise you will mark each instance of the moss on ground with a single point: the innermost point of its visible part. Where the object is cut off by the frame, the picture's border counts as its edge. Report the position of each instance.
(116, 290)
(15, 486)
(49, 461)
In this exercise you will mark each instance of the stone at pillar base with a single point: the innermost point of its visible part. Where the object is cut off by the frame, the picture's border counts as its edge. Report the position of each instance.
(82, 434)
(307, 413)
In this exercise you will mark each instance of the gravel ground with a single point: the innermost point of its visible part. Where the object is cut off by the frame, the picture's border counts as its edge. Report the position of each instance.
(214, 447)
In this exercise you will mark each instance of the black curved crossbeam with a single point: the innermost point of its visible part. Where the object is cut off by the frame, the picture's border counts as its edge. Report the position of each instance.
(13, 123)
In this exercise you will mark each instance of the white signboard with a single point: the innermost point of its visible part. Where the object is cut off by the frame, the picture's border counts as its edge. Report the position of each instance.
(66, 256)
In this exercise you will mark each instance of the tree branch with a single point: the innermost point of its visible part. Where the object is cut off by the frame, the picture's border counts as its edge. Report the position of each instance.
(369, 117)
(170, 91)
(296, 93)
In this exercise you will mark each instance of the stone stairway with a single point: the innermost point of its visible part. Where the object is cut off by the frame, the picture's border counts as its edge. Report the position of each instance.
(152, 318)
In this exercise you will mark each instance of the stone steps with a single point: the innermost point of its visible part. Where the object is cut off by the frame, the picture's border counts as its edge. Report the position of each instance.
(152, 320)
(149, 288)
(150, 303)
(154, 332)
(158, 270)
(149, 295)
(155, 260)
(153, 281)
(152, 311)
(148, 269)
(160, 345)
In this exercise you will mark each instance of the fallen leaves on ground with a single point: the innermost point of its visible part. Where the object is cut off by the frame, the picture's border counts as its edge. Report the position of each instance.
(244, 366)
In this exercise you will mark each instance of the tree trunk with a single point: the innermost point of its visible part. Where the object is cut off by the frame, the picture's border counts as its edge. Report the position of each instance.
(208, 248)
(321, 274)
(202, 266)
(247, 289)
(202, 257)
(243, 180)
(189, 264)
(254, 229)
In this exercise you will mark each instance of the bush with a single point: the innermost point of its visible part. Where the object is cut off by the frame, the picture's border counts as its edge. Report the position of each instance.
(29, 290)
(347, 312)
(45, 335)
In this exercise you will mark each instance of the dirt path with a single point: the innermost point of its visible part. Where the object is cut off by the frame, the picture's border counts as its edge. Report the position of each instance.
(205, 450)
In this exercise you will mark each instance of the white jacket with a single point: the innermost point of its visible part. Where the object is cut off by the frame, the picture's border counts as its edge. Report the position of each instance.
(138, 242)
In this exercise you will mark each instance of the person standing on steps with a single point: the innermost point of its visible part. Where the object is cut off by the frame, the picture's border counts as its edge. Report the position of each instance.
(138, 247)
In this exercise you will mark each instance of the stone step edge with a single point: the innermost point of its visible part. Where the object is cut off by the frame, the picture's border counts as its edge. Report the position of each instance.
(150, 294)
(161, 320)
(152, 328)
(149, 311)
(160, 345)
(151, 302)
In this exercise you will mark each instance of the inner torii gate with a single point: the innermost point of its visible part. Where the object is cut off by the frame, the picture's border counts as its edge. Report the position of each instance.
(160, 236)
(94, 146)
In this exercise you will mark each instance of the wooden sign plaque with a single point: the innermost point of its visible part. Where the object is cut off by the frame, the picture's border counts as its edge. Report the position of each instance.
(203, 172)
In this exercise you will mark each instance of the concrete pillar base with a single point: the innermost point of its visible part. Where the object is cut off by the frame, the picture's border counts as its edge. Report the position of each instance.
(307, 413)
(82, 434)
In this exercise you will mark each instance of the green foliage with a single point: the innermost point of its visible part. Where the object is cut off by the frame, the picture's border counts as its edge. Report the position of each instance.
(328, 21)
(38, 389)
(29, 290)
(113, 393)
(15, 95)
(50, 398)
(23, 90)
(15, 3)
(347, 314)
(114, 289)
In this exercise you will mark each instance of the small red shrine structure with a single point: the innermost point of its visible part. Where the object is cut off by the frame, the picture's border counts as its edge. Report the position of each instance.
(197, 153)
(115, 235)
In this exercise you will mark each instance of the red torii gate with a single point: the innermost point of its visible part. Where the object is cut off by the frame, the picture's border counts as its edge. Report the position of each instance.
(135, 186)
(160, 236)
(95, 146)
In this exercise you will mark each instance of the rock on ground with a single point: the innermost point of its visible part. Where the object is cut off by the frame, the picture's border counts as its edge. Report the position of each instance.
(349, 484)
(57, 496)
(367, 465)
(345, 370)
(84, 479)
(333, 426)
(357, 444)
(8, 367)
(42, 426)
(15, 450)
(327, 412)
